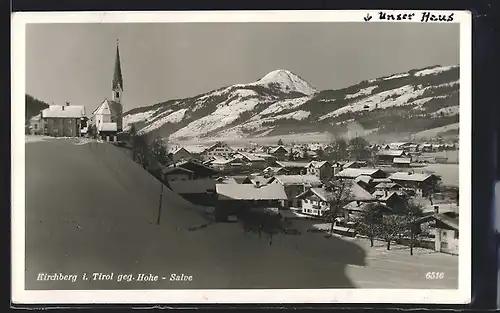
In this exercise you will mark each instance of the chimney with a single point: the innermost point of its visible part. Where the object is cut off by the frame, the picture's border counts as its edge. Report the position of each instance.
(436, 209)
(385, 192)
(257, 184)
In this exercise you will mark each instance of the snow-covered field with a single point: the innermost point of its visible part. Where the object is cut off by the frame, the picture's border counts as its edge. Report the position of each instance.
(397, 76)
(401, 96)
(433, 133)
(448, 111)
(174, 117)
(433, 71)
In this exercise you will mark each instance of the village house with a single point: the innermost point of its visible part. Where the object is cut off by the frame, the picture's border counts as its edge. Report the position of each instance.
(252, 160)
(108, 116)
(293, 168)
(401, 162)
(226, 165)
(226, 180)
(171, 174)
(271, 171)
(295, 185)
(445, 230)
(179, 153)
(365, 181)
(36, 125)
(62, 120)
(399, 145)
(233, 199)
(427, 147)
(218, 150)
(393, 199)
(266, 156)
(280, 152)
(387, 156)
(446, 208)
(315, 201)
(422, 184)
(200, 171)
(322, 169)
(337, 167)
(389, 186)
(256, 180)
(354, 164)
(192, 180)
(352, 173)
(355, 210)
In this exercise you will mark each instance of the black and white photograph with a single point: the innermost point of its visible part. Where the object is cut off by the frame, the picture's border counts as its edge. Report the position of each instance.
(237, 157)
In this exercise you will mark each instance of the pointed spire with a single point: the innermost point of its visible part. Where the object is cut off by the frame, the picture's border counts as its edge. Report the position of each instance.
(117, 77)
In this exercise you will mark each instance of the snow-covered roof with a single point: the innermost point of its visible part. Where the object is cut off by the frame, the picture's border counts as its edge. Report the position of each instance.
(257, 179)
(274, 169)
(250, 157)
(382, 195)
(250, 192)
(448, 221)
(402, 160)
(363, 178)
(107, 127)
(407, 176)
(64, 111)
(275, 149)
(318, 164)
(442, 207)
(395, 153)
(196, 186)
(227, 180)
(361, 207)
(289, 164)
(169, 170)
(355, 172)
(353, 192)
(387, 185)
(36, 118)
(298, 180)
(221, 161)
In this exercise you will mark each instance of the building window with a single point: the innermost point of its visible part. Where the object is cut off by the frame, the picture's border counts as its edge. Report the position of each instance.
(456, 234)
(36, 126)
(70, 121)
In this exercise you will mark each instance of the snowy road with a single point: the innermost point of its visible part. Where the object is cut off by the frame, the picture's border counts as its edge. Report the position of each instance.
(91, 209)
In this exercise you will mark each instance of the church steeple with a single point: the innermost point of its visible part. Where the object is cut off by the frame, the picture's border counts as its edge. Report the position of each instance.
(117, 77)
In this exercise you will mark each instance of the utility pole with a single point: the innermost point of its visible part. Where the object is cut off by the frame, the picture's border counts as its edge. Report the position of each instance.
(159, 204)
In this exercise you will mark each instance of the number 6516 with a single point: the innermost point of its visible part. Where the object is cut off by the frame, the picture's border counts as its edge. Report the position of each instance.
(434, 275)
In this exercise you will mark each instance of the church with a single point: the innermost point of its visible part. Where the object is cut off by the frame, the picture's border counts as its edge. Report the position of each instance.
(108, 116)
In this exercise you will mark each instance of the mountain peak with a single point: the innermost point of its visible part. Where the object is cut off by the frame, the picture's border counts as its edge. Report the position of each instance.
(287, 80)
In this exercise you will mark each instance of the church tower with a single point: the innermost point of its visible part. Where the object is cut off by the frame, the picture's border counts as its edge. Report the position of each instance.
(117, 77)
(116, 103)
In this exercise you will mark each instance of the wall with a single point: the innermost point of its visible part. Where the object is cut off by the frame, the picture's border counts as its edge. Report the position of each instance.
(177, 177)
(181, 155)
(63, 127)
(307, 204)
(449, 244)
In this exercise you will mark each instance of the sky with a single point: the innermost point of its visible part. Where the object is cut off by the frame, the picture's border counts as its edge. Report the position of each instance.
(75, 62)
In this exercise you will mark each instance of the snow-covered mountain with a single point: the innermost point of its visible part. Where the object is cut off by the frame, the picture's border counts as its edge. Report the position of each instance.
(283, 103)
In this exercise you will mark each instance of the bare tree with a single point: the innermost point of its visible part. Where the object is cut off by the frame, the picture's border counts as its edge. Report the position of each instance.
(339, 149)
(340, 195)
(369, 224)
(392, 226)
(413, 211)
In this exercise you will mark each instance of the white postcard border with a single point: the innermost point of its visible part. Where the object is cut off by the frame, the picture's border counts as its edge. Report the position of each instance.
(421, 296)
